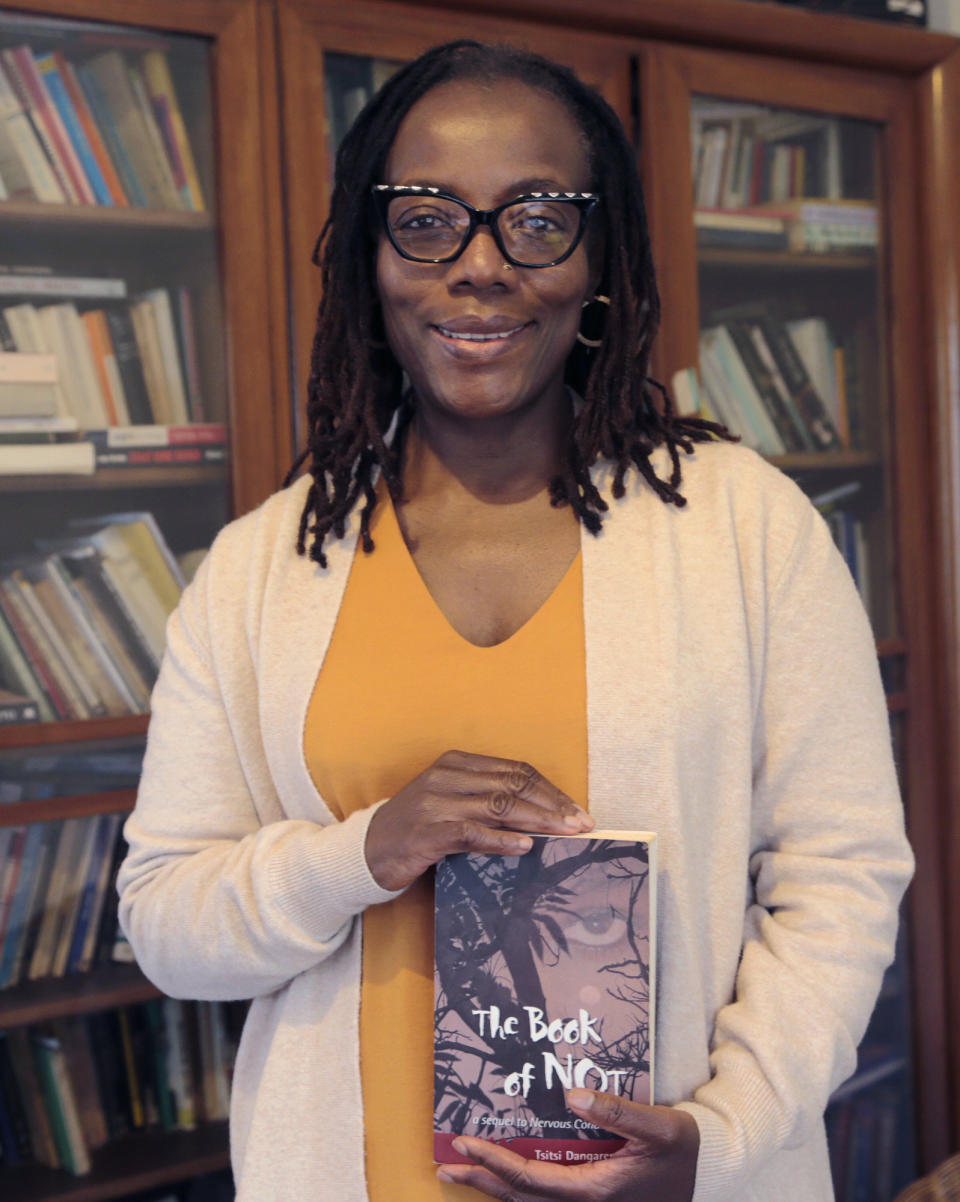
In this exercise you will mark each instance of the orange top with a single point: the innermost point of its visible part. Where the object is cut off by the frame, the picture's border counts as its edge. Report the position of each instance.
(399, 687)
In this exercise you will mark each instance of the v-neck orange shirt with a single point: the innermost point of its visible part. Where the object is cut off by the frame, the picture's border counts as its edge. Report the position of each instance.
(399, 687)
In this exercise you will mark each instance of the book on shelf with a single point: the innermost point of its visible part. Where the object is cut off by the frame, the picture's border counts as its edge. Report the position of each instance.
(544, 980)
(57, 903)
(16, 708)
(31, 91)
(15, 1139)
(30, 862)
(24, 139)
(28, 385)
(74, 1036)
(745, 155)
(61, 1105)
(734, 391)
(25, 1083)
(106, 130)
(737, 230)
(808, 413)
(88, 165)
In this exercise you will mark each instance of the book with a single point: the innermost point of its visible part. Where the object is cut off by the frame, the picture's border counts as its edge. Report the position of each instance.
(18, 672)
(544, 980)
(61, 1104)
(129, 365)
(16, 708)
(35, 100)
(94, 137)
(42, 1146)
(103, 115)
(161, 456)
(14, 1127)
(28, 385)
(39, 881)
(170, 118)
(30, 863)
(74, 1038)
(49, 69)
(57, 899)
(23, 136)
(149, 436)
(118, 96)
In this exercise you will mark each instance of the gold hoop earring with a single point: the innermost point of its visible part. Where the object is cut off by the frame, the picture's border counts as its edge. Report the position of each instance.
(593, 343)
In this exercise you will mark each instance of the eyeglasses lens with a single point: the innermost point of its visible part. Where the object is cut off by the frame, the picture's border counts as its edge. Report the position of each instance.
(534, 232)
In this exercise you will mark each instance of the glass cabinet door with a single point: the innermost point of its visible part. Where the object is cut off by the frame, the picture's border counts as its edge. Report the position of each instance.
(114, 416)
(778, 276)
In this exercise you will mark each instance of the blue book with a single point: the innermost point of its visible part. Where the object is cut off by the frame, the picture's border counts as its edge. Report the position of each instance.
(20, 902)
(47, 66)
(108, 130)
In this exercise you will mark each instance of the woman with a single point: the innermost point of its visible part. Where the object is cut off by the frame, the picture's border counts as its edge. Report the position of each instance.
(515, 548)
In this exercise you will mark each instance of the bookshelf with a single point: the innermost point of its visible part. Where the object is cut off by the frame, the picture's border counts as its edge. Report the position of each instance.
(181, 271)
(246, 261)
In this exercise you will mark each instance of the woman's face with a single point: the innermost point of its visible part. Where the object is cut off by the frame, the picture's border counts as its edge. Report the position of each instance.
(486, 146)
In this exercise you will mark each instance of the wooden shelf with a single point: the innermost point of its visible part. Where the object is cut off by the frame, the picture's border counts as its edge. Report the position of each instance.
(829, 461)
(86, 730)
(102, 988)
(121, 477)
(124, 1166)
(50, 809)
(105, 217)
(781, 260)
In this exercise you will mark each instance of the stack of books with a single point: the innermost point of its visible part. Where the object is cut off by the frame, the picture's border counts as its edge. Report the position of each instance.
(102, 130)
(83, 617)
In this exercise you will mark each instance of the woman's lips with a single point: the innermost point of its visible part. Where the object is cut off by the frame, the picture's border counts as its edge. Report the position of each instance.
(481, 345)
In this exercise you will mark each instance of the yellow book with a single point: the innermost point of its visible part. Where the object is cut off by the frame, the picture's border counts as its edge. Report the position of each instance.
(164, 97)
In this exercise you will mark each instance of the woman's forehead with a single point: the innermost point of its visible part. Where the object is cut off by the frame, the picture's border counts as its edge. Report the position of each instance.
(466, 132)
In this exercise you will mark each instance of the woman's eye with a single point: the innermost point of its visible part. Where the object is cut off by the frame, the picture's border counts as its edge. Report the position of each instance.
(597, 928)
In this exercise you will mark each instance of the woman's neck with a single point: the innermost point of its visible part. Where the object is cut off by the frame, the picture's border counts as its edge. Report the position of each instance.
(501, 461)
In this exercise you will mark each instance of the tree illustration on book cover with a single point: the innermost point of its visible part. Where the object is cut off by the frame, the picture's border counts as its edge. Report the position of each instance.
(543, 981)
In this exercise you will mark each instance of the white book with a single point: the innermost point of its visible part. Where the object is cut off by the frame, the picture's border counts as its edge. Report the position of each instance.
(29, 385)
(159, 299)
(131, 582)
(82, 364)
(24, 139)
(48, 459)
(30, 338)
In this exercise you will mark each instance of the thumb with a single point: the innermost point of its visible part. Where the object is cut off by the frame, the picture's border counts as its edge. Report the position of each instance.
(632, 1120)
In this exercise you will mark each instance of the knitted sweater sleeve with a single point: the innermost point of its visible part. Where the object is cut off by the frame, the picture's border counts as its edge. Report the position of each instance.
(829, 865)
(220, 895)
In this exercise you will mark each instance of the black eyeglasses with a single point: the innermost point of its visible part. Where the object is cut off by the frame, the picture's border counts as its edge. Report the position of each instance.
(427, 225)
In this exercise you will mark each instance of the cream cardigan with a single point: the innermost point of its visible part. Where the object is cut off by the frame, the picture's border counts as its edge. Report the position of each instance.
(734, 706)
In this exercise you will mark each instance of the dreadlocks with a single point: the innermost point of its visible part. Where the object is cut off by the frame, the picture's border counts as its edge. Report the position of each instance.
(355, 387)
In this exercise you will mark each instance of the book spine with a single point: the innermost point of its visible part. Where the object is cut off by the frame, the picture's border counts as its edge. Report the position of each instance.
(161, 456)
(146, 437)
(60, 1096)
(70, 122)
(90, 85)
(46, 113)
(129, 365)
(18, 668)
(42, 1146)
(14, 711)
(160, 82)
(19, 909)
(36, 901)
(766, 388)
(28, 636)
(812, 409)
(10, 876)
(99, 856)
(85, 959)
(94, 137)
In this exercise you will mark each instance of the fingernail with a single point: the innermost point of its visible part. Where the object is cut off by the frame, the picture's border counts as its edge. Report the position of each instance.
(578, 1099)
(443, 1175)
(522, 843)
(459, 1147)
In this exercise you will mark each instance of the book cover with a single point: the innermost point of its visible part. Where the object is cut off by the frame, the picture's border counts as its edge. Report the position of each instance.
(544, 980)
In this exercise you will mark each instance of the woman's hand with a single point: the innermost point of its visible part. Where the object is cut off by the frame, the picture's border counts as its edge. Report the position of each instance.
(657, 1164)
(465, 802)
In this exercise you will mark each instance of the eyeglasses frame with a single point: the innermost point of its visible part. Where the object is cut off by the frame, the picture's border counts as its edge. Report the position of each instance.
(585, 202)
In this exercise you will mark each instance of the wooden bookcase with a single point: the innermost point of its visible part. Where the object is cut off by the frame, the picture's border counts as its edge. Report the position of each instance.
(273, 68)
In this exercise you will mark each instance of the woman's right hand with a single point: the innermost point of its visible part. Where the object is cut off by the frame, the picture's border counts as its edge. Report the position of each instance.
(465, 802)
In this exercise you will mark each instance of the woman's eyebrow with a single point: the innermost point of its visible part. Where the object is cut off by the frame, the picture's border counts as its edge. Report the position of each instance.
(516, 188)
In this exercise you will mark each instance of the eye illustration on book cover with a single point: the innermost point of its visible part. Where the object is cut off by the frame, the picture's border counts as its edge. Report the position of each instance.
(544, 981)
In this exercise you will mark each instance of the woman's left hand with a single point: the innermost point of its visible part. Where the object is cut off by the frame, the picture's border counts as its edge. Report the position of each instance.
(658, 1162)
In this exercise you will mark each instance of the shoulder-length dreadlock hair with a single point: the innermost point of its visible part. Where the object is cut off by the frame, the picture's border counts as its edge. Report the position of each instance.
(355, 389)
